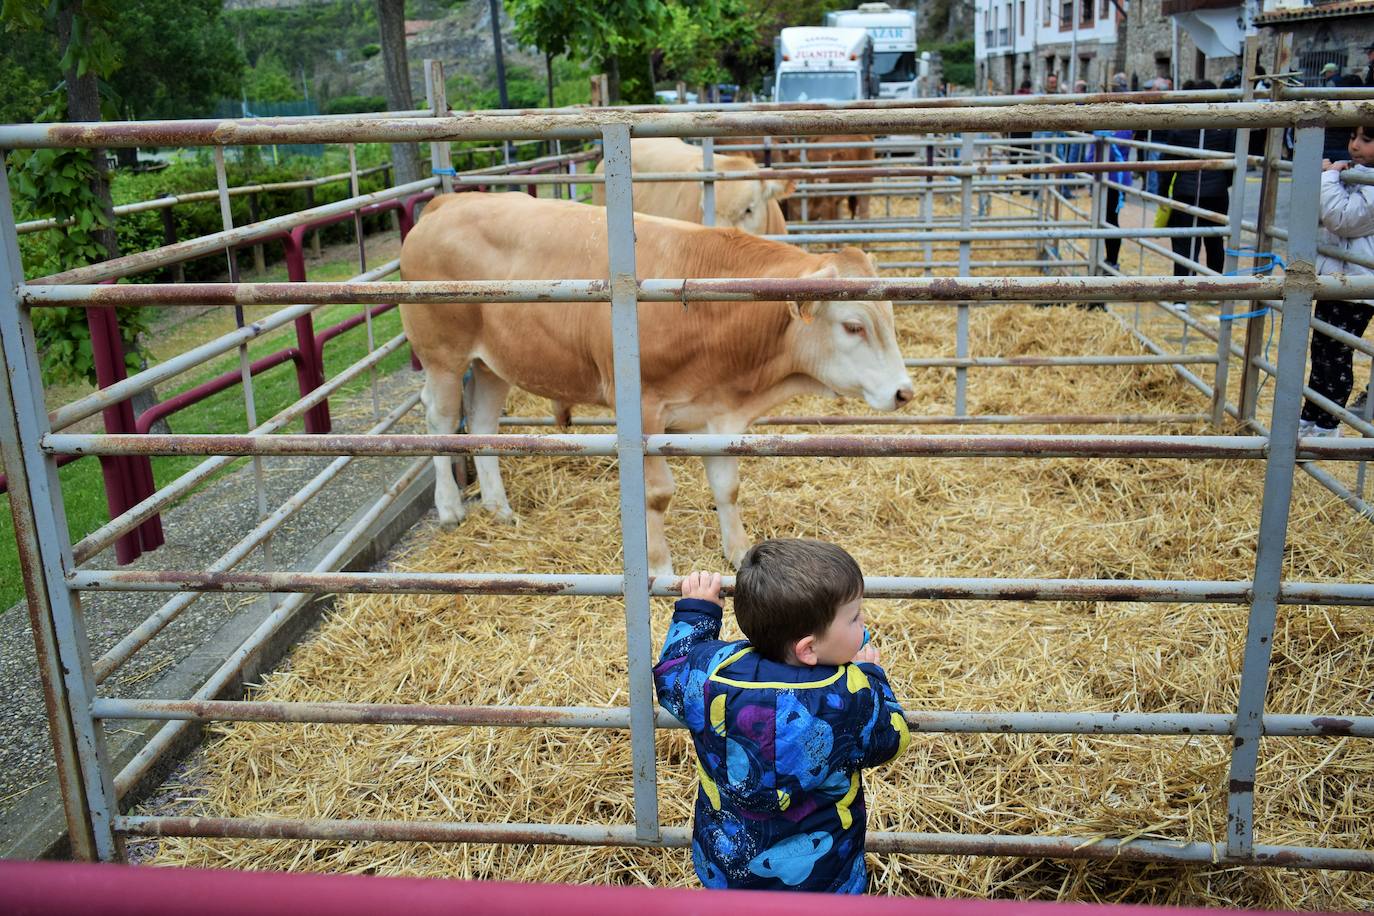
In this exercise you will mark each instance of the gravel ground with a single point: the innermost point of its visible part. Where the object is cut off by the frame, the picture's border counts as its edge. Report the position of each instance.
(197, 532)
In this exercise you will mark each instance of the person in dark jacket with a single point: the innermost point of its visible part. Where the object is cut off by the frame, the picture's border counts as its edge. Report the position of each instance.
(1334, 143)
(1209, 190)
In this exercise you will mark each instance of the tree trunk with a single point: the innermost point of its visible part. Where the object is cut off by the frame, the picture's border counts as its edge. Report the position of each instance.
(83, 104)
(391, 19)
(612, 69)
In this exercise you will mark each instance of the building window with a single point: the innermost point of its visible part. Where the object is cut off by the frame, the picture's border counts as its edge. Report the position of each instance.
(1046, 6)
(1065, 15)
(1102, 10)
(1021, 18)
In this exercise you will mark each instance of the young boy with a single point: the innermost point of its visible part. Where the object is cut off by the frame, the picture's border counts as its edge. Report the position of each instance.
(782, 723)
(1347, 223)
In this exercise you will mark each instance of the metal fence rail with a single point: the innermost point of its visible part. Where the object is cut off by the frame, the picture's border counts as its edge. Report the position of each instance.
(33, 441)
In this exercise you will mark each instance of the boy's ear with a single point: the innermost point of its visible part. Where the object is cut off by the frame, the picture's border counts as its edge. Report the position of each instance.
(805, 651)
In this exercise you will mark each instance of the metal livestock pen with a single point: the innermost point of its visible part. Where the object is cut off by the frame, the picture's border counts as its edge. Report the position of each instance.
(57, 572)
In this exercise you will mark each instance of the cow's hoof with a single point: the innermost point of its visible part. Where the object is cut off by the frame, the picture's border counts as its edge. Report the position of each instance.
(448, 519)
(735, 557)
(503, 514)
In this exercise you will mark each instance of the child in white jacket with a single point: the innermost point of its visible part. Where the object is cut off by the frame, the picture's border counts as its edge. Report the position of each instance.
(1347, 223)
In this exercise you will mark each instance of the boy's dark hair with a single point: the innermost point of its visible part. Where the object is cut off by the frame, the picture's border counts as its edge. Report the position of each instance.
(789, 588)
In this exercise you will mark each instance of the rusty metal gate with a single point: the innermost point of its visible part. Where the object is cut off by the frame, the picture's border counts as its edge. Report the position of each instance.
(56, 571)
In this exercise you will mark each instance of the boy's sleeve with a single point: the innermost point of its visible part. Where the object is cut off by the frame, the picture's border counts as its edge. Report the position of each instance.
(885, 735)
(1347, 209)
(694, 622)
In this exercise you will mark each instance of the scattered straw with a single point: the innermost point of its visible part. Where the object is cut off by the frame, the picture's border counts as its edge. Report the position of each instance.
(1094, 518)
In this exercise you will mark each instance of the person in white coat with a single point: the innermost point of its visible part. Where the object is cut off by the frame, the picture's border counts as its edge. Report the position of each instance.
(1347, 223)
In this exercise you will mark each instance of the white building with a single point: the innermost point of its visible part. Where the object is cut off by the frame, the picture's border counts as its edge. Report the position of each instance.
(1018, 41)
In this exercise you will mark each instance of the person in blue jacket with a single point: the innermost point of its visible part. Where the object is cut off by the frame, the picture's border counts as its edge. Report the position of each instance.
(784, 722)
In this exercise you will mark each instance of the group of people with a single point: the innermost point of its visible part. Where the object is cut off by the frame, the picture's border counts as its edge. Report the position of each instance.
(1347, 224)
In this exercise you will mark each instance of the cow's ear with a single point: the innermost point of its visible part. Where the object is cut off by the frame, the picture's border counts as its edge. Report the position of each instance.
(777, 189)
(805, 309)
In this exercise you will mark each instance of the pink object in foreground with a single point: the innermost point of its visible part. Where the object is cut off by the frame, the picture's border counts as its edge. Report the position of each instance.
(63, 888)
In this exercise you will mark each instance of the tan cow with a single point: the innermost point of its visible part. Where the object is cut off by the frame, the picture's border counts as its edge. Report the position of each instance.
(748, 205)
(711, 367)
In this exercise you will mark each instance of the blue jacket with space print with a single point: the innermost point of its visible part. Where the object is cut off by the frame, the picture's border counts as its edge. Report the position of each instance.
(780, 804)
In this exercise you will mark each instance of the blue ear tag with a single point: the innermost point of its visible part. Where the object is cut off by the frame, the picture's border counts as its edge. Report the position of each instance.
(867, 637)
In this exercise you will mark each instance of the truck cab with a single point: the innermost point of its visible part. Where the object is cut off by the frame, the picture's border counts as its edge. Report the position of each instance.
(817, 64)
(895, 61)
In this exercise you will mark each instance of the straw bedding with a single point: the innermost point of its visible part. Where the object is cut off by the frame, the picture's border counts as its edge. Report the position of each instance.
(953, 517)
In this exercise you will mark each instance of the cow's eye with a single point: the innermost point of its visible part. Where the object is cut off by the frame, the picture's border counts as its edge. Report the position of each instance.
(854, 327)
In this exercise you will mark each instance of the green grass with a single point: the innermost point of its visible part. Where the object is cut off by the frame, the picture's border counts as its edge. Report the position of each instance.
(83, 489)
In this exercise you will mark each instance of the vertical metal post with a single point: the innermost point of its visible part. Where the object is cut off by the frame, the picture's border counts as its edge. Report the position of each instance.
(1235, 215)
(1102, 152)
(245, 370)
(1278, 491)
(708, 186)
(436, 93)
(45, 558)
(801, 157)
(259, 257)
(1264, 219)
(965, 255)
(928, 209)
(362, 268)
(176, 273)
(629, 428)
(314, 234)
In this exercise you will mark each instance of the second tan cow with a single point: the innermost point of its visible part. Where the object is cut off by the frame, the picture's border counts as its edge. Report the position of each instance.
(711, 367)
(748, 205)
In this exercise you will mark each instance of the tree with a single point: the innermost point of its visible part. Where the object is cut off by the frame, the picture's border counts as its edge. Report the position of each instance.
(602, 32)
(177, 58)
(71, 184)
(391, 22)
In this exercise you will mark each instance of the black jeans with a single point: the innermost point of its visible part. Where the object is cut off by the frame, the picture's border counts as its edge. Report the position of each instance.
(1113, 246)
(1332, 361)
(1188, 247)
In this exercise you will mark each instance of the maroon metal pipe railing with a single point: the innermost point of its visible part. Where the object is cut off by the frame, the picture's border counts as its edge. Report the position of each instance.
(78, 889)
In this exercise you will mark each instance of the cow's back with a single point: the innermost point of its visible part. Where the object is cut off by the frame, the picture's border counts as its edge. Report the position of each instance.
(675, 199)
(562, 350)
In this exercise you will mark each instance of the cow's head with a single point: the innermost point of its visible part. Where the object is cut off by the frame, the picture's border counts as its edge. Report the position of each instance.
(744, 204)
(851, 346)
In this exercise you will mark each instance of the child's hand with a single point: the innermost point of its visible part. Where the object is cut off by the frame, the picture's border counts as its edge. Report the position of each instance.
(869, 653)
(1329, 166)
(703, 585)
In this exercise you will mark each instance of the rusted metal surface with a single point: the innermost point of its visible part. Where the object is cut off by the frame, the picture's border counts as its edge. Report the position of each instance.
(676, 445)
(1022, 723)
(847, 170)
(398, 831)
(333, 444)
(375, 713)
(903, 118)
(914, 420)
(903, 587)
(1066, 847)
(983, 289)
